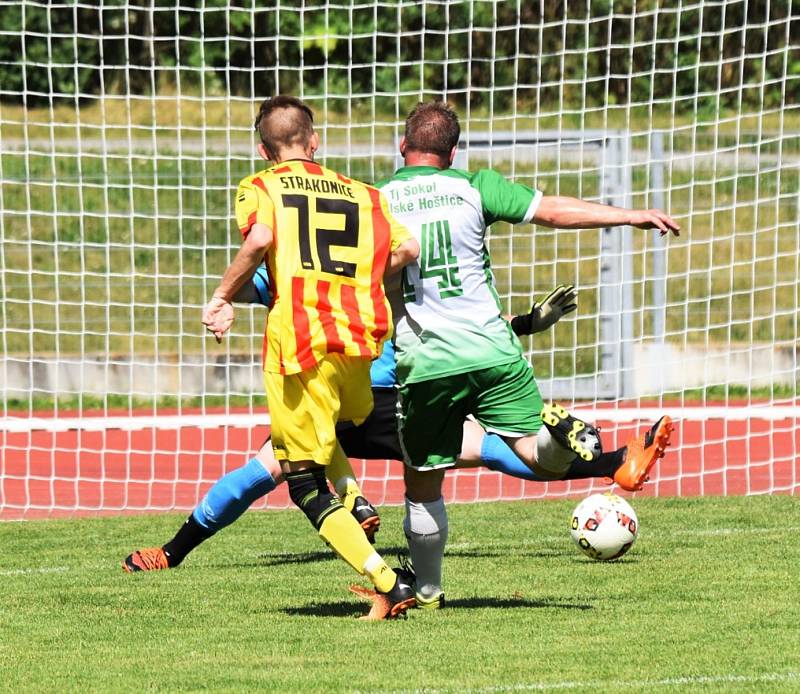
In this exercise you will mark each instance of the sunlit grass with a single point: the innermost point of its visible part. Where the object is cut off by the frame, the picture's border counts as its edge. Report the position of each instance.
(706, 599)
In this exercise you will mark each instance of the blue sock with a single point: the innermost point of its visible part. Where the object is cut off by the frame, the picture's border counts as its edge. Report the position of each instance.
(497, 455)
(232, 495)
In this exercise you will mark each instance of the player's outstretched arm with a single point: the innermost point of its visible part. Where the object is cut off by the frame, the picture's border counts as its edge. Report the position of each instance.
(218, 313)
(562, 212)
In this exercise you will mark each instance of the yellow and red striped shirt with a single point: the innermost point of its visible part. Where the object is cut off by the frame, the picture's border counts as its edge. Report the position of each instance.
(332, 237)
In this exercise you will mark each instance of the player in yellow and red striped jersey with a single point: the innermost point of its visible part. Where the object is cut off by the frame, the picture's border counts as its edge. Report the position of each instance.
(328, 241)
(331, 237)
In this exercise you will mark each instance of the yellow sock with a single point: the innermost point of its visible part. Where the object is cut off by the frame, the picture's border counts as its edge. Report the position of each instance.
(341, 475)
(344, 535)
(378, 571)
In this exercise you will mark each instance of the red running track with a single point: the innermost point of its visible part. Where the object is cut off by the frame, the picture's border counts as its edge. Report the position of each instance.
(46, 474)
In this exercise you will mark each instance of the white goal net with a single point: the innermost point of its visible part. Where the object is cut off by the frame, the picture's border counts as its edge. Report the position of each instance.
(126, 126)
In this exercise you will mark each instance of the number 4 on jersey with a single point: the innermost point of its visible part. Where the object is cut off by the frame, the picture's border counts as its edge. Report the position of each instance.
(437, 261)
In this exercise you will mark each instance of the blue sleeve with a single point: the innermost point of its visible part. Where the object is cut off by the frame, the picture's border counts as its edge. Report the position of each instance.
(261, 284)
(382, 372)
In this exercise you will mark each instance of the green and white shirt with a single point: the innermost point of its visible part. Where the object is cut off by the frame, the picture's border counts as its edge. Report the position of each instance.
(452, 321)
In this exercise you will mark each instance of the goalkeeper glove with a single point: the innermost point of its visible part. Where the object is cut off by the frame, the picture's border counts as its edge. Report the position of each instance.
(562, 300)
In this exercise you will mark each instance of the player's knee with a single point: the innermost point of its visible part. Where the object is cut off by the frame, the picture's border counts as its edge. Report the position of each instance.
(309, 491)
(423, 487)
(260, 479)
(266, 458)
(246, 484)
(231, 496)
(425, 518)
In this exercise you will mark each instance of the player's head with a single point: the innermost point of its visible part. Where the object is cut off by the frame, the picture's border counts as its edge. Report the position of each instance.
(286, 128)
(432, 133)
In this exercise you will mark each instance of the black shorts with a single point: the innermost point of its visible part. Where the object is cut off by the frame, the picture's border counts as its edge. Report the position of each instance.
(376, 438)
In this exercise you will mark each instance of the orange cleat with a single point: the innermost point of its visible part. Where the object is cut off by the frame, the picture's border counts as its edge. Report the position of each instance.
(391, 605)
(642, 453)
(381, 609)
(151, 559)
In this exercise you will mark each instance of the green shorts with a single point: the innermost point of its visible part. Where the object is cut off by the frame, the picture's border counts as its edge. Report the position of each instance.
(504, 399)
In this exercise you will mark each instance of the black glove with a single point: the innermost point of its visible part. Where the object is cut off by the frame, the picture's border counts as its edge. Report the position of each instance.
(562, 300)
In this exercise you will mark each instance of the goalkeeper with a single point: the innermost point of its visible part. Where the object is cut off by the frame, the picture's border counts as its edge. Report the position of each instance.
(375, 439)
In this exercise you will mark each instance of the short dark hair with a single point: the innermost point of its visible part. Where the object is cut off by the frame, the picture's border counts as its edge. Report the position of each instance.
(432, 127)
(283, 121)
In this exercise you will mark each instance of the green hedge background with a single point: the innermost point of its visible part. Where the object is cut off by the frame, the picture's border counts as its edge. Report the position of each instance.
(62, 50)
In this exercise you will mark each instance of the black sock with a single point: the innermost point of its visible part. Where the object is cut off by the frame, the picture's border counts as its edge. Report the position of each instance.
(190, 534)
(605, 466)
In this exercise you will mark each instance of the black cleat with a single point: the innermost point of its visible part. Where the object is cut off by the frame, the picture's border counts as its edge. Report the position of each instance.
(400, 597)
(572, 433)
(406, 574)
(406, 570)
(367, 517)
(391, 605)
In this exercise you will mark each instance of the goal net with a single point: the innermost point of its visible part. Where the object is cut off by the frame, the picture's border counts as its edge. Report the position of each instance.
(126, 126)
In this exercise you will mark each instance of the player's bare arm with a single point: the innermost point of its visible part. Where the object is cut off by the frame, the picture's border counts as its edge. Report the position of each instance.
(561, 212)
(407, 252)
(218, 313)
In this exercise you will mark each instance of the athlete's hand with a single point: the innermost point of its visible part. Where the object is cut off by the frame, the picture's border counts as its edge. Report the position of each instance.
(218, 316)
(562, 300)
(654, 219)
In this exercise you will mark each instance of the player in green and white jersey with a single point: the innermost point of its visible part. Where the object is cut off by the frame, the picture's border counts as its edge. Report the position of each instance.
(456, 354)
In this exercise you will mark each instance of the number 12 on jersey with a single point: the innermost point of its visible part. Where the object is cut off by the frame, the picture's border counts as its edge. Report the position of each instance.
(436, 261)
(325, 238)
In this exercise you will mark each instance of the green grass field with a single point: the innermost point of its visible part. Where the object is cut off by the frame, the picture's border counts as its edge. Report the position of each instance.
(707, 600)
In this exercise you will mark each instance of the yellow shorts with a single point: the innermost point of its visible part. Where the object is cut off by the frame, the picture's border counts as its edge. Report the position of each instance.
(305, 407)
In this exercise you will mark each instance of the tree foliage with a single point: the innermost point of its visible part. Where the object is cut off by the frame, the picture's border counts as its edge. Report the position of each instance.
(706, 56)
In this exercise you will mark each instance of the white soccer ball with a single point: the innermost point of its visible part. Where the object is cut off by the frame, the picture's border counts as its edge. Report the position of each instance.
(604, 526)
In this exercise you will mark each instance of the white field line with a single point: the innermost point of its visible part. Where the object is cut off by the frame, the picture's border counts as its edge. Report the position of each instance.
(613, 685)
(247, 421)
(44, 570)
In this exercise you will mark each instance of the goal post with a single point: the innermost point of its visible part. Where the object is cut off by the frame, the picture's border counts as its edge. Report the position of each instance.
(125, 128)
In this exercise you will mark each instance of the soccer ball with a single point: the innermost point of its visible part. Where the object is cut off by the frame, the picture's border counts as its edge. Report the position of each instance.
(604, 526)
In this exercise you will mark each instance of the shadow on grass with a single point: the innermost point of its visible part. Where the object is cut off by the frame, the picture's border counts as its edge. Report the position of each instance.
(505, 603)
(321, 555)
(609, 562)
(328, 609)
(346, 609)
(294, 558)
(389, 554)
